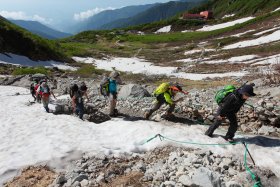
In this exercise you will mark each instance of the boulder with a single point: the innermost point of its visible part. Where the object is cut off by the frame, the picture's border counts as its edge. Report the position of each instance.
(133, 90)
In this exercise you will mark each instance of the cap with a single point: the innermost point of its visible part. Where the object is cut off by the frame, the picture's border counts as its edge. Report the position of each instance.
(247, 89)
(114, 74)
(176, 88)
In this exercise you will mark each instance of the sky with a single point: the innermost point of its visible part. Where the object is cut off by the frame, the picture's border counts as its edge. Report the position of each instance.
(55, 12)
(29, 135)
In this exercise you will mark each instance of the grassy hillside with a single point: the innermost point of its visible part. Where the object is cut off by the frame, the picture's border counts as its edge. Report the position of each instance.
(14, 39)
(238, 7)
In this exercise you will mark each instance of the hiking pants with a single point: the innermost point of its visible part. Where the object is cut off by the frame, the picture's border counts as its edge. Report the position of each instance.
(45, 102)
(157, 105)
(80, 110)
(113, 103)
(232, 126)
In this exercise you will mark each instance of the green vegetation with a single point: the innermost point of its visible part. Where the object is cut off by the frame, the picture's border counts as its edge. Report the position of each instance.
(16, 40)
(88, 70)
(31, 70)
(238, 7)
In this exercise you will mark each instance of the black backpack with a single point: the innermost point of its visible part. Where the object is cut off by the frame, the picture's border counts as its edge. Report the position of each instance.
(74, 88)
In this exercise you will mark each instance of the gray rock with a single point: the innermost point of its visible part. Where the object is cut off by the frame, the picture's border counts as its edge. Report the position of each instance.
(266, 130)
(206, 178)
(80, 178)
(168, 184)
(185, 180)
(84, 183)
(133, 90)
(233, 184)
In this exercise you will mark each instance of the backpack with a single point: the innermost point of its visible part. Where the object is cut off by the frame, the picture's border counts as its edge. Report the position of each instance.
(74, 88)
(161, 89)
(221, 94)
(32, 87)
(78, 96)
(104, 86)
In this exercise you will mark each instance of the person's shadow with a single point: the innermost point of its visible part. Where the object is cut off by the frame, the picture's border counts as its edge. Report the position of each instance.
(260, 141)
(175, 119)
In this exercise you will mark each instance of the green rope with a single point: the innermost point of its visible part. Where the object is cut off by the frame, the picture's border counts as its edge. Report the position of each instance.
(186, 142)
(254, 177)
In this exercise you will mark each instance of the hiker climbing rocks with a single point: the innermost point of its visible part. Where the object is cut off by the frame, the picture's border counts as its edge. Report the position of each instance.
(230, 101)
(164, 95)
(32, 88)
(114, 79)
(76, 94)
(45, 93)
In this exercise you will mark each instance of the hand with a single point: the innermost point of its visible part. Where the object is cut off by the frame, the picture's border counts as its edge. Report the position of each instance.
(220, 117)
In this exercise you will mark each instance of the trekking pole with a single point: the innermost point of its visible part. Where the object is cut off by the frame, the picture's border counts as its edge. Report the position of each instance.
(249, 153)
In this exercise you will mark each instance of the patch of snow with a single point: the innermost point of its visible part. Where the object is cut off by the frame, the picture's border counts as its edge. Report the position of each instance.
(275, 59)
(275, 36)
(228, 15)
(164, 29)
(187, 31)
(277, 9)
(233, 60)
(29, 135)
(198, 51)
(224, 25)
(242, 58)
(139, 66)
(240, 34)
(5, 76)
(186, 60)
(19, 60)
(266, 31)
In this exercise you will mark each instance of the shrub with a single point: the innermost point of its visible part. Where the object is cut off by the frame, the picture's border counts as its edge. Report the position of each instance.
(31, 70)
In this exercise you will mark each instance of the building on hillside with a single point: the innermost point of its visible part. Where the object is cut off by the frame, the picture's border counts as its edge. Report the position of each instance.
(207, 14)
(202, 15)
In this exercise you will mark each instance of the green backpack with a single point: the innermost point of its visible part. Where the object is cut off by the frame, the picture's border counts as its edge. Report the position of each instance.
(221, 94)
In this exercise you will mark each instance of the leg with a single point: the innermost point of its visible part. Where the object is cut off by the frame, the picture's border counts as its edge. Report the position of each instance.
(45, 102)
(232, 127)
(213, 127)
(170, 109)
(113, 103)
(156, 106)
(80, 110)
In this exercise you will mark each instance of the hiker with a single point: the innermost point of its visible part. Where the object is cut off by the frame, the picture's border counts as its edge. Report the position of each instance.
(228, 107)
(164, 95)
(114, 79)
(45, 93)
(32, 88)
(76, 94)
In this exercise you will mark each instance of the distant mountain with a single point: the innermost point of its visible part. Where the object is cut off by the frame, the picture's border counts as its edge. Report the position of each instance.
(14, 39)
(40, 29)
(156, 13)
(107, 16)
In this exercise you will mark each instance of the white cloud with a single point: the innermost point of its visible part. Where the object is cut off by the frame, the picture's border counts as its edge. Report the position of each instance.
(19, 15)
(86, 14)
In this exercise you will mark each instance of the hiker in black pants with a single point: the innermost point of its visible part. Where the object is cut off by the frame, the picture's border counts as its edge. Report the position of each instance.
(230, 105)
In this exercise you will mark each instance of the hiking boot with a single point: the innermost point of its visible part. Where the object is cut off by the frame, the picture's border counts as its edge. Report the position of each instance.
(229, 139)
(208, 133)
(147, 115)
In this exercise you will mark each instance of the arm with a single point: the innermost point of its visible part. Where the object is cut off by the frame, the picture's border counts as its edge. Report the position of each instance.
(53, 94)
(168, 98)
(74, 103)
